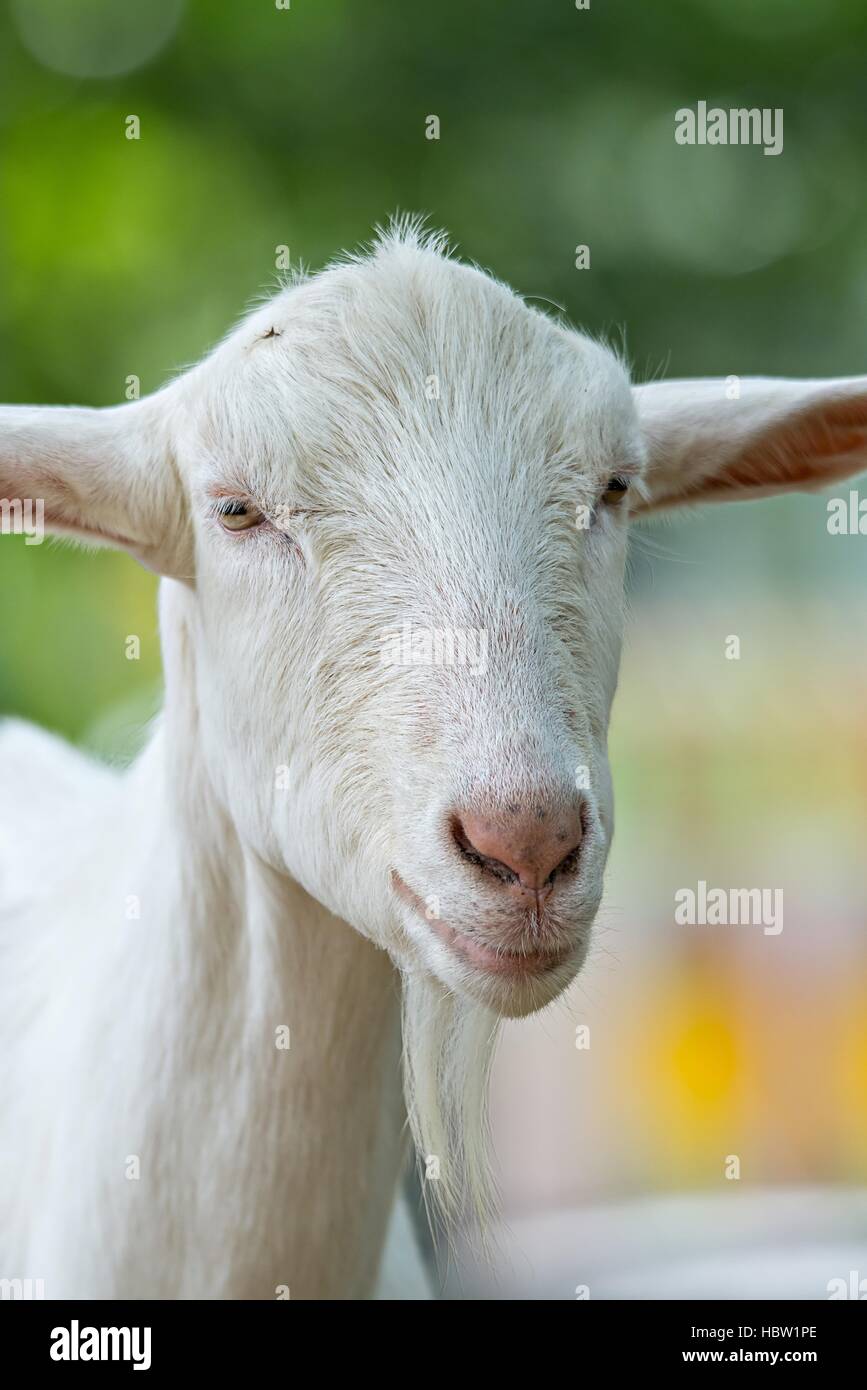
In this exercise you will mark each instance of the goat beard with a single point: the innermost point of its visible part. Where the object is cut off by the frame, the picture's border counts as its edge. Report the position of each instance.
(448, 1047)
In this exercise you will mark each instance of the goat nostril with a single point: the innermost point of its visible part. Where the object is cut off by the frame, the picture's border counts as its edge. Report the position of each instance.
(475, 856)
(524, 851)
(569, 863)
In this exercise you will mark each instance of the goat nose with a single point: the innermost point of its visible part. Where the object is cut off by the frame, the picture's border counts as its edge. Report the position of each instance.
(524, 849)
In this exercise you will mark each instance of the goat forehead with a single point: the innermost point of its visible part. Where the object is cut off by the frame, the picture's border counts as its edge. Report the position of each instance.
(501, 565)
(426, 371)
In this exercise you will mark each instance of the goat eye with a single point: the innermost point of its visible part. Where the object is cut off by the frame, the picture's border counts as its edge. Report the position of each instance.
(235, 515)
(615, 491)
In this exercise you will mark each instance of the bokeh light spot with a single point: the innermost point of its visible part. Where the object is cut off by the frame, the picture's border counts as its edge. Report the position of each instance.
(95, 38)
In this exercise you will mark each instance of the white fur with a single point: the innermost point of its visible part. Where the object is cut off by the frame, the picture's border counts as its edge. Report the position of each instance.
(263, 907)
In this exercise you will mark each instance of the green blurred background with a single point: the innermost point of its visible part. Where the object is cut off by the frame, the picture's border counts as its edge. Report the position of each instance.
(305, 127)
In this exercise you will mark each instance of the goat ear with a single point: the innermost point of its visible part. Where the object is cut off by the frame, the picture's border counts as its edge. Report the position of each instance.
(104, 477)
(742, 437)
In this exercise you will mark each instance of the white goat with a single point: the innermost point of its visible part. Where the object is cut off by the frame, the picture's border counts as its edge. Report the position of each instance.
(319, 833)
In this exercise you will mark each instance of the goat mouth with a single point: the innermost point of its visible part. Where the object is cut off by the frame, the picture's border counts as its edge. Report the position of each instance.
(494, 960)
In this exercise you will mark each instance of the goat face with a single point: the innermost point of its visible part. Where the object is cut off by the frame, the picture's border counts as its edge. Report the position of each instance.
(396, 499)
(412, 494)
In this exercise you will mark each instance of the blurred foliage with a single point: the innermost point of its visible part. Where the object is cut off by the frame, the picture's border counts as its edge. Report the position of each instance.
(305, 126)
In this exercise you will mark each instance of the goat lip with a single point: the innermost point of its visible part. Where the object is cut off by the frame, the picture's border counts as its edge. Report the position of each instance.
(493, 961)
